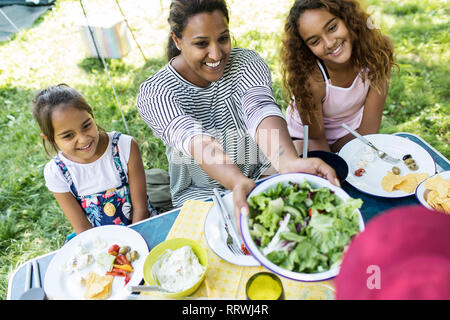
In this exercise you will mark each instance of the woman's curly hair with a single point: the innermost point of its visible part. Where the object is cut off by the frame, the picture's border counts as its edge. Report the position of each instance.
(370, 50)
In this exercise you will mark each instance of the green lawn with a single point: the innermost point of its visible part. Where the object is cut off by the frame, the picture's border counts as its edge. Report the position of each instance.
(51, 52)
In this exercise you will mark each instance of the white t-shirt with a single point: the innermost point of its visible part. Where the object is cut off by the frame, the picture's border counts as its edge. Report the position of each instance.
(90, 178)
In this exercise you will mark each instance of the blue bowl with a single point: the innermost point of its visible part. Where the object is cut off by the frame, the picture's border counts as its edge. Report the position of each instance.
(333, 160)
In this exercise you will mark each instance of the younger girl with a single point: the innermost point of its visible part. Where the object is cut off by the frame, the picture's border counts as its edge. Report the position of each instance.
(336, 69)
(97, 177)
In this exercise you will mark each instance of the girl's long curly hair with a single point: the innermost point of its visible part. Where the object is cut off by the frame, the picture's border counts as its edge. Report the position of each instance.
(370, 50)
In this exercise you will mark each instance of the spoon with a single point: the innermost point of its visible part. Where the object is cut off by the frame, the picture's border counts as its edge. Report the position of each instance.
(36, 293)
(147, 288)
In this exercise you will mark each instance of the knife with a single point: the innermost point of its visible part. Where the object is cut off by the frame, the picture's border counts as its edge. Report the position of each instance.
(228, 221)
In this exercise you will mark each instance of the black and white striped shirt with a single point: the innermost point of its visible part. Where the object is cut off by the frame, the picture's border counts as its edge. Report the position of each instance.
(228, 110)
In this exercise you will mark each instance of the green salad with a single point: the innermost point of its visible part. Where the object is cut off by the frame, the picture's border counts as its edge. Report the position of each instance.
(301, 228)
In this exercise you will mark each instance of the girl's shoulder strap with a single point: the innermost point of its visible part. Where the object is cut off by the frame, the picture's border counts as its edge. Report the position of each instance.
(115, 138)
(66, 174)
(116, 157)
(323, 69)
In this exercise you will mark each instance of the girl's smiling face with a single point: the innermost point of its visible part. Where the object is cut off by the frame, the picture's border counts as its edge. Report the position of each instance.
(205, 48)
(326, 36)
(76, 134)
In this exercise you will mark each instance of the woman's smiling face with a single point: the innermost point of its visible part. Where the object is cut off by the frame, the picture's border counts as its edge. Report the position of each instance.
(326, 36)
(205, 48)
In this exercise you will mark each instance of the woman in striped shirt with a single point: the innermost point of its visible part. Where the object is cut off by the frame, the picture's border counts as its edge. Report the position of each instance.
(214, 109)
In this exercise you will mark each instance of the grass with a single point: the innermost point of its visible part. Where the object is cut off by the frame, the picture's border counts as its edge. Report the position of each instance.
(50, 52)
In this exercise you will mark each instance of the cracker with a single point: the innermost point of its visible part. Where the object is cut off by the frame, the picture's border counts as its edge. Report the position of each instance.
(98, 287)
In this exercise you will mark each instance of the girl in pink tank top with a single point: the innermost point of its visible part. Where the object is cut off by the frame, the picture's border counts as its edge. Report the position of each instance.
(336, 69)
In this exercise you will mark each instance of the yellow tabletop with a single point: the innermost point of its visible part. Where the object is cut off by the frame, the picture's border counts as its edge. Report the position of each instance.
(225, 280)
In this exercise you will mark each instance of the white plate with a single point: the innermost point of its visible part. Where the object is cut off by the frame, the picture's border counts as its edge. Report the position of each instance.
(215, 235)
(58, 284)
(420, 191)
(270, 183)
(370, 181)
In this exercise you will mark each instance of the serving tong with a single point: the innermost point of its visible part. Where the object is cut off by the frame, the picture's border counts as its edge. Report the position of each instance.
(233, 241)
(381, 154)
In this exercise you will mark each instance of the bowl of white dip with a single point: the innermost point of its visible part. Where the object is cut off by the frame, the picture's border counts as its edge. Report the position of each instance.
(177, 265)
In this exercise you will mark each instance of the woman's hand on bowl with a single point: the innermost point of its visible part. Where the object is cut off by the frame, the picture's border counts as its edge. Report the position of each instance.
(313, 166)
(240, 193)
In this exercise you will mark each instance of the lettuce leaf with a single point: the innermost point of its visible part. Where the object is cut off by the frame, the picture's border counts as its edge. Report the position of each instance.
(303, 243)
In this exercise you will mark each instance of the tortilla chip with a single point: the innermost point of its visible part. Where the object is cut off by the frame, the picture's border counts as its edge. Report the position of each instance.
(431, 197)
(411, 181)
(98, 287)
(442, 190)
(390, 180)
(438, 207)
(437, 193)
(408, 184)
(421, 177)
(446, 205)
(437, 202)
(433, 182)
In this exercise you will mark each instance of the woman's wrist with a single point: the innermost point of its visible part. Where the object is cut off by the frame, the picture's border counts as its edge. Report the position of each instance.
(241, 181)
(293, 165)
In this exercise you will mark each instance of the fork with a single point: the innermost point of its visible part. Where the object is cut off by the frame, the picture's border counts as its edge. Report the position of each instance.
(229, 241)
(381, 154)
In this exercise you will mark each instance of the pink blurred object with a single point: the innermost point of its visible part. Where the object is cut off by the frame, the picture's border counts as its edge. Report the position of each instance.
(403, 254)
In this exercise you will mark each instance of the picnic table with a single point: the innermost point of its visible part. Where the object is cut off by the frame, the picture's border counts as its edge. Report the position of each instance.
(156, 229)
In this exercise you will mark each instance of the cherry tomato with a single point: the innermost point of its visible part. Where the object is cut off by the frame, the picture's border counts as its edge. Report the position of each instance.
(114, 250)
(359, 172)
(244, 249)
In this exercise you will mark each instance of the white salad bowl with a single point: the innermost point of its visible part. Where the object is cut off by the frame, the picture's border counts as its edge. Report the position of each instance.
(270, 183)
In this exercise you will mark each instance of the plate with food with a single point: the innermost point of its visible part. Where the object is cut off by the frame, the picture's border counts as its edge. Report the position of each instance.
(216, 236)
(434, 192)
(371, 175)
(299, 226)
(97, 264)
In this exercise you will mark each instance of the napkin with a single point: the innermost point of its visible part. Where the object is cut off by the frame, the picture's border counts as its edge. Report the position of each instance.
(225, 280)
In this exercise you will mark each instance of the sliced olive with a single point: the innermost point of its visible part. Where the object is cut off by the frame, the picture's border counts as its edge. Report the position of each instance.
(406, 157)
(132, 255)
(124, 249)
(395, 170)
(128, 256)
(413, 166)
(409, 161)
